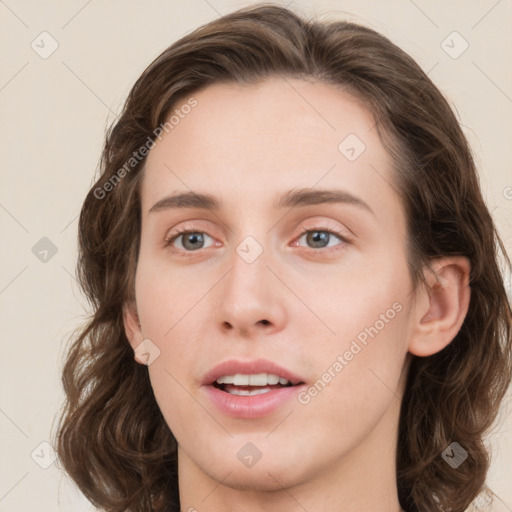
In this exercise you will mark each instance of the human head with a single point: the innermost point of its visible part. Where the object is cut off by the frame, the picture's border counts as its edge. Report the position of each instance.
(446, 216)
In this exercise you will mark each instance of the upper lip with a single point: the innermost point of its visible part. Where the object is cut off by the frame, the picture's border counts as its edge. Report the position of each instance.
(233, 366)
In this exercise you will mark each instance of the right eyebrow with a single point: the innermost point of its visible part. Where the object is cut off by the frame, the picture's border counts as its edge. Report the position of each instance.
(187, 200)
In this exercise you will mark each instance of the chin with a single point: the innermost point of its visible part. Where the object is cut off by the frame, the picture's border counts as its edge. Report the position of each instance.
(265, 478)
(273, 471)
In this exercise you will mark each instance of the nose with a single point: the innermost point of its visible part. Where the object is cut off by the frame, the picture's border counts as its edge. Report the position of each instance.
(251, 300)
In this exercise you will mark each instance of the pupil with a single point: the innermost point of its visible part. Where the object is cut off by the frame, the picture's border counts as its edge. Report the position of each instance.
(318, 237)
(193, 237)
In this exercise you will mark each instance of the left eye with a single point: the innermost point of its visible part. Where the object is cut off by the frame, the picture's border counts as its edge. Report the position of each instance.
(320, 238)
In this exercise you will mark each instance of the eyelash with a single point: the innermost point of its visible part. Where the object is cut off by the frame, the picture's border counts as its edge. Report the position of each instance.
(179, 232)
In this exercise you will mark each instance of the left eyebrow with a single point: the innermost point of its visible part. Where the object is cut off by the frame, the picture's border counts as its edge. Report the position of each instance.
(291, 199)
(307, 197)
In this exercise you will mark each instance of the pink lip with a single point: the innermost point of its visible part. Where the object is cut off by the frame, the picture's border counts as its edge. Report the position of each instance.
(254, 406)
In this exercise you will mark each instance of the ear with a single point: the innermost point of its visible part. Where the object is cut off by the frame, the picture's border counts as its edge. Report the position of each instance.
(441, 305)
(132, 326)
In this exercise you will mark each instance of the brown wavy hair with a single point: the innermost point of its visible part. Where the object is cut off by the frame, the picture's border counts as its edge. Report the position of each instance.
(112, 438)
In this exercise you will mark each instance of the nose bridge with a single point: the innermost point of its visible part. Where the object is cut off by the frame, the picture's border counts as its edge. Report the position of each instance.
(251, 249)
(249, 274)
(249, 296)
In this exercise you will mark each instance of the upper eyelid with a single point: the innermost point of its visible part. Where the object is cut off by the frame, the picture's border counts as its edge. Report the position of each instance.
(316, 222)
(169, 239)
(320, 225)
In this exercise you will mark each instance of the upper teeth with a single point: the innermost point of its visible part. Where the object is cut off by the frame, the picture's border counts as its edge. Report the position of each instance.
(257, 379)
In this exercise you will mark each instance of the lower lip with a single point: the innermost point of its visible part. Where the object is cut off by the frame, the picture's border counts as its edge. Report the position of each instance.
(253, 406)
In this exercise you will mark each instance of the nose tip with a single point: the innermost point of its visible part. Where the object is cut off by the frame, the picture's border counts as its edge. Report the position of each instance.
(248, 302)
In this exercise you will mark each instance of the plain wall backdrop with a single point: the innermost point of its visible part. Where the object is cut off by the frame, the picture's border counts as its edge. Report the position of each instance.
(66, 69)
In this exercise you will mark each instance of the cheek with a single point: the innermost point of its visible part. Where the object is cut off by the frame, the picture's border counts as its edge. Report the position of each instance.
(169, 390)
(363, 303)
(359, 366)
(356, 384)
(164, 296)
(166, 303)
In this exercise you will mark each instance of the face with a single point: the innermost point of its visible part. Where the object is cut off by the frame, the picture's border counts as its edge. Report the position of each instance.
(279, 309)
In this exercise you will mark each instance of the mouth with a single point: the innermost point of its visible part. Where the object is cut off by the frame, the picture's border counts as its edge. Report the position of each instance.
(252, 384)
(250, 389)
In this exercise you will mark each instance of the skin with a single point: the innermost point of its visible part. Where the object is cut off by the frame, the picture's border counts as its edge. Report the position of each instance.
(248, 145)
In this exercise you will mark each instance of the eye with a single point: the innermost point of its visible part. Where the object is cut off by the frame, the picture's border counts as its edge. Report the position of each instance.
(320, 237)
(191, 240)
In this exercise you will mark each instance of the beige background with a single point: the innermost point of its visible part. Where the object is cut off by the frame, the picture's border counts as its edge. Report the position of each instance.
(53, 115)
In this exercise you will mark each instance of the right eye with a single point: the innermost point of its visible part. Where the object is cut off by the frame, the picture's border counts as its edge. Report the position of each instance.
(191, 240)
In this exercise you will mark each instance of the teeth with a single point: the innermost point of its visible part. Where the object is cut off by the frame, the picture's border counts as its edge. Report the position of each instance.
(246, 392)
(258, 379)
(227, 379)
(273, 379)
(241, 380)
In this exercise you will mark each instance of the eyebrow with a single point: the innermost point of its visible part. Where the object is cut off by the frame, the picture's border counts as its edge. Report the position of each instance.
(291, 199)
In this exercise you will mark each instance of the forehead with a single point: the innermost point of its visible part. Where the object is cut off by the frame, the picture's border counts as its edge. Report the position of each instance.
(277, 134)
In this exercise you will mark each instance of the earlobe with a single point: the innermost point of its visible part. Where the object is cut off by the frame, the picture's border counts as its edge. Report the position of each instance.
(443, 306)
(132, 325)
